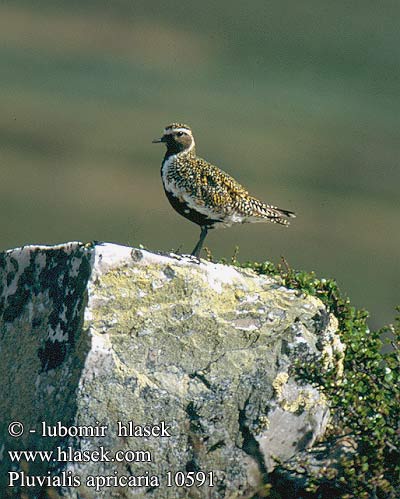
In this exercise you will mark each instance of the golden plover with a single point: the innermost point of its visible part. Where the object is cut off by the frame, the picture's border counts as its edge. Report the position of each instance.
(203, 193)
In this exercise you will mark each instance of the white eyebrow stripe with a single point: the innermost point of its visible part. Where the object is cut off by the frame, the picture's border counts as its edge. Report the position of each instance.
(168, 131)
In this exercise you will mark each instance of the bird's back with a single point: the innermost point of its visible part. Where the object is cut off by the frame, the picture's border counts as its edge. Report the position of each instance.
(216, 194)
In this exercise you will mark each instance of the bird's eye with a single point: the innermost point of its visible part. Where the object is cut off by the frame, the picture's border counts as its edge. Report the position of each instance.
(179, 134)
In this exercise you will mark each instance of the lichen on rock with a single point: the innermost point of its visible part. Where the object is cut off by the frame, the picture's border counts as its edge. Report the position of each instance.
(105, 333)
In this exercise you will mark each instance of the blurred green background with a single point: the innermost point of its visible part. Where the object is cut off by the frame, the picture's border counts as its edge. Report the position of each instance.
(299, 100)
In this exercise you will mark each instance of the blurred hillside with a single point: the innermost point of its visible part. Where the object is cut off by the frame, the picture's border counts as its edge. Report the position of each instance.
(299, 100)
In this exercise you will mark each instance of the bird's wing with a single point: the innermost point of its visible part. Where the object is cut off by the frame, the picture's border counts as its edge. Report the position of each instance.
(218, 189)
(225, 195)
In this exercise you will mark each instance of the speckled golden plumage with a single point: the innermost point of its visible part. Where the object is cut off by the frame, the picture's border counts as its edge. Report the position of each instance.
(204, 193)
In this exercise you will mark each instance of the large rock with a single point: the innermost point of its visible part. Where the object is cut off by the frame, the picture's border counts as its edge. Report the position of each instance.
(200, 355)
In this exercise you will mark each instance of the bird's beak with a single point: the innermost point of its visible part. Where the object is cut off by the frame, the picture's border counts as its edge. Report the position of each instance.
(157, 141)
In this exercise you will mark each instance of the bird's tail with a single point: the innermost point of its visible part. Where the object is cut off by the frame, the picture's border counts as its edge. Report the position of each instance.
(272, 213)
(287, 213)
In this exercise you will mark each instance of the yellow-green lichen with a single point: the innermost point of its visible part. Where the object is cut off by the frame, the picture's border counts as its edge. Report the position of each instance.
(292, 398)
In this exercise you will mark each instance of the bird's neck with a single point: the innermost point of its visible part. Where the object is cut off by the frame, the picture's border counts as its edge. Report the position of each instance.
(175, 151)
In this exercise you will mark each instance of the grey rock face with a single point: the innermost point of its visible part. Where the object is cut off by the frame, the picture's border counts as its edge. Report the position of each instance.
(195, 362)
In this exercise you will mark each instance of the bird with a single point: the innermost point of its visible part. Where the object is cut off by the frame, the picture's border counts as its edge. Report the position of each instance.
(205, 194)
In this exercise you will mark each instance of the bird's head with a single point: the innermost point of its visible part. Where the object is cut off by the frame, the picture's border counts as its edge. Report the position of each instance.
(178, 138)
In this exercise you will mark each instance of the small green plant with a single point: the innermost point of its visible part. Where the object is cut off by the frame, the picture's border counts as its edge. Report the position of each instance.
(365, 404)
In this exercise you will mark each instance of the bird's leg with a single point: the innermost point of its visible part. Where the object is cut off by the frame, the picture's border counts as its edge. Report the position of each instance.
(199, 245)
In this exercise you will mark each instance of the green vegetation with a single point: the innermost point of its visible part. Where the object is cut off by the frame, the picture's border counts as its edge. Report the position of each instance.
(365, 403)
